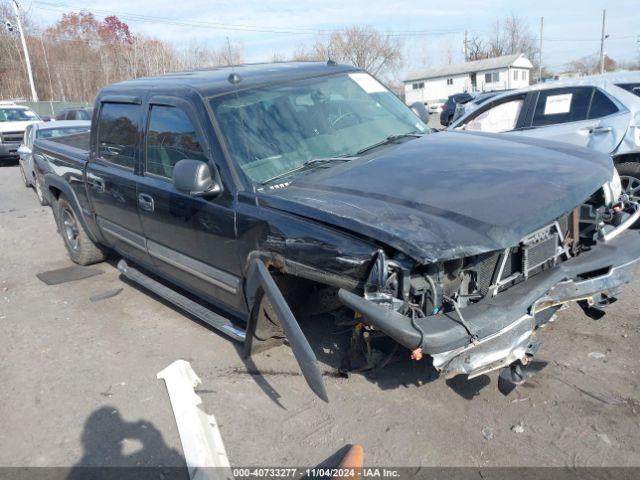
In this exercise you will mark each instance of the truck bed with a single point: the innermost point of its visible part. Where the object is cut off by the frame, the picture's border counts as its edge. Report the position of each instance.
(70, 147)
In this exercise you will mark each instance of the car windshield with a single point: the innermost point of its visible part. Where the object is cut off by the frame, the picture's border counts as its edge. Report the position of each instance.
(61, 131)
(281, 128)
(17, 115)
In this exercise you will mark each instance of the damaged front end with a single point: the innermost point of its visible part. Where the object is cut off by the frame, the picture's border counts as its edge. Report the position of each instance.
(476, 314)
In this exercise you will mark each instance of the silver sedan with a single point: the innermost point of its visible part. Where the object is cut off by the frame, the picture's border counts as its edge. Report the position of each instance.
(44, 130)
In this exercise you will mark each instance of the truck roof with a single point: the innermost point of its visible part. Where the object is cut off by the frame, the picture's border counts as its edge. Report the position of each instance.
(214, 81)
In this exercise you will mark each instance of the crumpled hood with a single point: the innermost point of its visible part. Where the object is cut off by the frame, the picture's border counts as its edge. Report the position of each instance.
(450, 194)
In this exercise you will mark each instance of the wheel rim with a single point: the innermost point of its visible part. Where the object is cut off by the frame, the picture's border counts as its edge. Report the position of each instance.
(71, 231)
(631, 186)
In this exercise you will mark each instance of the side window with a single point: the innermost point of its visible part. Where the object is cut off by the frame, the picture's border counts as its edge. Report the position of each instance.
(171, 137)
(499, 118)
(562, 105)
(118, 133)
(601, 105)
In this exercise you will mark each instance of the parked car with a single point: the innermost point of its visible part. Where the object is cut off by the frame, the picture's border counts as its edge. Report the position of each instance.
(309, 187)
(449, 107)
(477, 100)
(421, 111)
(75, 114)
(436, 107)
(43, 130)
(13, 120)
(600, 112)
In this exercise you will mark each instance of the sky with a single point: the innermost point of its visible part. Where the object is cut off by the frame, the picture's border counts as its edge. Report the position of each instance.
(428, 29)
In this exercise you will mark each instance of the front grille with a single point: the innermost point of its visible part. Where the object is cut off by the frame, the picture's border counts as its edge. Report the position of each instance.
(12, 137)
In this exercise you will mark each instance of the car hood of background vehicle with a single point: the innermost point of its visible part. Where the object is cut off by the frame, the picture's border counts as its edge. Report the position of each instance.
(448, 195)
(16, 126)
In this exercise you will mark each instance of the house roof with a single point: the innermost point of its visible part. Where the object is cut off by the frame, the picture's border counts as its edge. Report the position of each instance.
(468, 67)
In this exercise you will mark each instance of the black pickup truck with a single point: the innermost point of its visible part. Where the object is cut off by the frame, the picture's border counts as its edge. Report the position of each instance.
(266, 191)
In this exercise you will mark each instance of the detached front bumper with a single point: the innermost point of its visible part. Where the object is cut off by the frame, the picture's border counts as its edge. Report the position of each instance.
(504, 324)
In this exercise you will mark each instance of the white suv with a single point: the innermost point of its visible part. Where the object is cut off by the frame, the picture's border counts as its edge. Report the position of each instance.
(13, 121)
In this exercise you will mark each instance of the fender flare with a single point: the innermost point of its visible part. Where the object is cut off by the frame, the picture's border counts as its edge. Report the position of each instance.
(258, 278)
(53, 180)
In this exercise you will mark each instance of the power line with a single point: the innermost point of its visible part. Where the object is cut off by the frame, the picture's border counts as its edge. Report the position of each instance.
(226, 26)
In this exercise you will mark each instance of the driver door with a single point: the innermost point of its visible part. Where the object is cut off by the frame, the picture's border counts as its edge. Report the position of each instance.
(190, 240)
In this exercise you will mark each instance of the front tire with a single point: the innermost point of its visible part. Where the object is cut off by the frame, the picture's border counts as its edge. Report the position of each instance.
(82, 250)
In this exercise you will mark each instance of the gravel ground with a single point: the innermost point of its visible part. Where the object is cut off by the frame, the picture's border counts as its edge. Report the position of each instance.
(79, 381)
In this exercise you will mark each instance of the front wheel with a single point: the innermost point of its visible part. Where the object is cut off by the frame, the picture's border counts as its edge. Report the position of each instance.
(82, 250)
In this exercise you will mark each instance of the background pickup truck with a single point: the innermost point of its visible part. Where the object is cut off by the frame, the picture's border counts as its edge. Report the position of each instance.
(264, 190)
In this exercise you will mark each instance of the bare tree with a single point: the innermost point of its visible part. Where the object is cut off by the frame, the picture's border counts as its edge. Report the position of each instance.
(507, 36)
(364, 47)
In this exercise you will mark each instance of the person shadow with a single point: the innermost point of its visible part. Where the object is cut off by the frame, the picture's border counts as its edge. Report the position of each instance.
(116, 449)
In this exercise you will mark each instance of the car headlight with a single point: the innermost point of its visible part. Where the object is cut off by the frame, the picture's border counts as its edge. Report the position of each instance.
(612, 189)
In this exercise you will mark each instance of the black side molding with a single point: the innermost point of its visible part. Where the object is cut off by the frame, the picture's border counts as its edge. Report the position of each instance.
(258, 277)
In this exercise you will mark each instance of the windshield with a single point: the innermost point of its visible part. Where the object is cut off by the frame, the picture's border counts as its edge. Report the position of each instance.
(17, 115)
(276, 129)
(61, 131)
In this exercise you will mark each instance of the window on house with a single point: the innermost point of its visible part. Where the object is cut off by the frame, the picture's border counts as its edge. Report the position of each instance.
(417, 86)
(524, 74)
(515, 75)
(449, 81)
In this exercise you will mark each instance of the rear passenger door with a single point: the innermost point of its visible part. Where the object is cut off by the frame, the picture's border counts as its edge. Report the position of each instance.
(111, 176)
(583, 116)
(190, 240)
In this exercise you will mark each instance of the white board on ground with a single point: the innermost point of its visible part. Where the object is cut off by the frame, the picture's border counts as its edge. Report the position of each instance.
(202, 444)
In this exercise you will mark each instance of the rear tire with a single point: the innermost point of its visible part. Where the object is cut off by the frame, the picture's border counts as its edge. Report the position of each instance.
(24, 176)
(630, 177)
(39, 193)
(82, 250)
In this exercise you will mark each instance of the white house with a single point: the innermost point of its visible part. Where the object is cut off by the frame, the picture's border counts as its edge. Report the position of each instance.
(499, 73)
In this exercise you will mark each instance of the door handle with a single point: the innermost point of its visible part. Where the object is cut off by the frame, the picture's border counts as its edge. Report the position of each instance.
(97, 184)
(597, 130)
(145, 202)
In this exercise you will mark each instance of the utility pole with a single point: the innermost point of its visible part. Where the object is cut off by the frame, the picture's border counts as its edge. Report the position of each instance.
(34, 95)
(540, 51)
(602, 37)
(466, 50)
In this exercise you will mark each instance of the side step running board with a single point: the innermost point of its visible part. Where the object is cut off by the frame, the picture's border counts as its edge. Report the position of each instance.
(209, 317)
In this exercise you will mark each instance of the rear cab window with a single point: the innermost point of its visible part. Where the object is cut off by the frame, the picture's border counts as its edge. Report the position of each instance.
(118, 126)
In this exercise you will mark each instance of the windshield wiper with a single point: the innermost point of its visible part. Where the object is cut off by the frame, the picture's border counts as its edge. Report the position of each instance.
(389, 139)
(308, 165)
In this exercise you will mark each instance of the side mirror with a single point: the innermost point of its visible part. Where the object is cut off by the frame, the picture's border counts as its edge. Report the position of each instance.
(421, 111)
(24, 150)
(194, 177)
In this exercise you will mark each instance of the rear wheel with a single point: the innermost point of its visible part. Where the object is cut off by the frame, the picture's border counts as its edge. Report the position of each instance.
(630, 178)
(41, 198)
(23, 176)
(82, 250)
